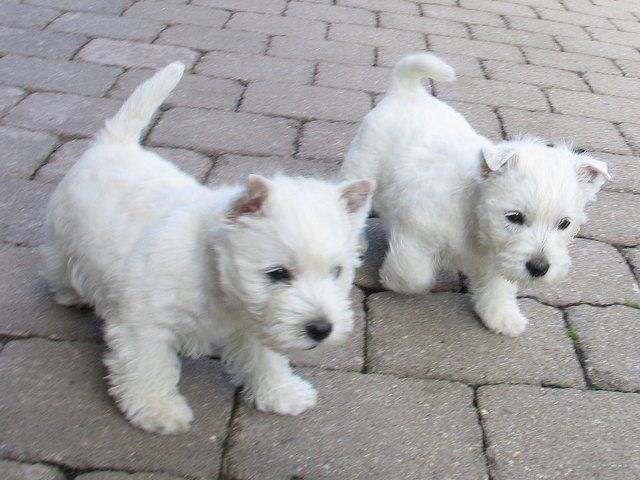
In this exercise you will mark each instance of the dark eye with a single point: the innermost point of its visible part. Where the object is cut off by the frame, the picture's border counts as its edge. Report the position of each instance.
(515, 217)
(564, 224)
(279, 274)
(337, 271)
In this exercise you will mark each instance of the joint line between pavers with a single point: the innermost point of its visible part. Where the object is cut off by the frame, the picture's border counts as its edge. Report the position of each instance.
(226, 443)
(488, 462)
(575, 340)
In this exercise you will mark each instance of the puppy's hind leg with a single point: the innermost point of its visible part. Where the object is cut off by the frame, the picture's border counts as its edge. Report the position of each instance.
(57, 267)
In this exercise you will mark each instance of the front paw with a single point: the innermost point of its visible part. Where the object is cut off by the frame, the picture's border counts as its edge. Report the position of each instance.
(290, 398)
(507, 321)
(166, 415)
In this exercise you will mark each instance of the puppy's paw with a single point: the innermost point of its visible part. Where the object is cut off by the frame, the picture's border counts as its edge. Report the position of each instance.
(507, 321)
(290, 398)
(166, 415)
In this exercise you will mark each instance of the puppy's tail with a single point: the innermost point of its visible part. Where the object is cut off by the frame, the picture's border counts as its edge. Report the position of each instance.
(408, 72)
(125, 127)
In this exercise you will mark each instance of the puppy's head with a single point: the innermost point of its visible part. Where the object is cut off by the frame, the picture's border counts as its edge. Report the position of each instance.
(291, 254)
(531, 204)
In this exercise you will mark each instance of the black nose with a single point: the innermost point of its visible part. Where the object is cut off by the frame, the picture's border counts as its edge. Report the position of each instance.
(318, 329)
(537, 267)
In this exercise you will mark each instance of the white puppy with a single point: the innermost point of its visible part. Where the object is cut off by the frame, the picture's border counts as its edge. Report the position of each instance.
(174, 267)
(502, 214)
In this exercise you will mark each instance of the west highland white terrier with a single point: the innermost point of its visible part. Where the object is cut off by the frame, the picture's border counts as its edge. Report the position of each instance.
(174, 267)
(501, 213)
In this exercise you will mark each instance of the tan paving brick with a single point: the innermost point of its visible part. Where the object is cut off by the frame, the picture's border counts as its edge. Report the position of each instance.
(534, 75)
(9, 96)
(584, 6)
(474, 17)
(614, 85)
(513, 37)
(120, 28)
(263, 6)
(599, 49)
(20, 471)
(274, 25)
(40, 44)
(576, 62)
(499, 7)
(625, 172)
(173, 13)
(423, 24)
(476, 48)
(631, 133)
(540, 3)
(372, 79)
(322, 50)
(115, 7)
(26, 16)
(23, 151)
(614, 109)
(546, 26)
(574, 18)
(630, 68)
(493, 92)
(210, 39)
(326, 140)
(481, 117)
(331, 13)
(613, 36)
(377, 37)
(97, 475)
(614, 218)
(626, 25)
(633, 257)
(398, 6)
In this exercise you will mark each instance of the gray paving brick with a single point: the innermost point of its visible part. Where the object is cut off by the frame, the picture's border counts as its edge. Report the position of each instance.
(377, 37)
(9, 96)
(493, 92)
(501, 8)
(219, 131)
(613, 36)
(626, 25)
(534, 75)
(26, 16)
(419, 428)
(629, 67)
(255, 67)
(306, 102)
(633, 257)
(61, 161)
(274, 25)
(599, 276)
(193, 163)
(632, 134)
(210, 39)
(607, 339)
(626, 6)
(326, 140)
(41, 44)
(263, 6)
(174, 13)
(423, 24)
(614, 218)
(57, 75)
(399, 6)
(115, 7)
(192, 91)
(574, 18)
(95, 25)
(130, 54)
(372, 79)
(546, 26)
(614, 85)
(614, 109)
(625, 172)
(126, 476)
(513, 37)
(482, 119)
(570, 61)
(322, 50)
(63, 113)
(462, 15)
(24, 471)
(62, 385)
(476, 48)
(609, 11)
(600, 49)
(331, 13)
(438, 336)
(537, 433)
(586, 133)
(23, 151)
(540, 3)
(28, 308)
(22, 210)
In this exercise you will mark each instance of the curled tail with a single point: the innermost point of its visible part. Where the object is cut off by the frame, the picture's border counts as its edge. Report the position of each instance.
(409, 71)
(125, 127)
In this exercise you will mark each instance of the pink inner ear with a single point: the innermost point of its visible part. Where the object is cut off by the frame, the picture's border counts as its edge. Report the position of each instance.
(251, 206)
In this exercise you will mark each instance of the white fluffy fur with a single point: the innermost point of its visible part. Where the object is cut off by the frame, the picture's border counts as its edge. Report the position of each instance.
(444, 191)
(174, 267)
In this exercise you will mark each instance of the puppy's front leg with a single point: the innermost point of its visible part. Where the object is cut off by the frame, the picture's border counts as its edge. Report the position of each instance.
(495, 302)
(267, 377)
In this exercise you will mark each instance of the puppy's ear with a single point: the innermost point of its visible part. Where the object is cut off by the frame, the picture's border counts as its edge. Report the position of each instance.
(495, 157)
(252, 201)
(357, 195)
(592, 173)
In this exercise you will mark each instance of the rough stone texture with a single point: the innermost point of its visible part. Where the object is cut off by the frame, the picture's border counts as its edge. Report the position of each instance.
(598, 275)
(614, 218)
(264, 6)
(513, 37)
(41, 44)
(614, 85)
(481, 117)
(326, 140)
(546, 26)
(130, 54)
(536, 433)
(439, 336)
(23, 151)
(633, 256)
(400, 6)
(363, 427)
(24, 471)
(115, 7)
(576, 62)
(9, 96)
(274, 25)
(331, 13)
(476, 48)
(625, 173)
(126, 476)
(377, 37)
(433, 26)
(61, 385)
(534, 75)
(322, 50)
(475, 17)
(61, 161)
(599, 49)
(26, 16)
(371, 79)
(614, 109)
(120, 28)
(608, 338)
(631, 133)
(204, 38)
(175, 13)
(191, 162)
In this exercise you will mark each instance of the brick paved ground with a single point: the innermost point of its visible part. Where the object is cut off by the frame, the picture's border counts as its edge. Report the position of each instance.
(423, 391)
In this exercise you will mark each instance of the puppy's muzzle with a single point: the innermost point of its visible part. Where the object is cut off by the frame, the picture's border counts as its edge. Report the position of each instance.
(318, 329)
(537, 267)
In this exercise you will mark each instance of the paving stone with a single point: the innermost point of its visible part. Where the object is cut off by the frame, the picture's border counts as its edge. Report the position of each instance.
(61, 161)
(273, 25)
(57, 75)
(574, 18)
(439, 336)
(22, 209)
(614, 85)
(115, 7)
(210, 39)
(626, 25)
(174, 13)
(399, 6)
(193, 163)
(379, 426)
(331, 13)
(263, 6)
(540, 3)
(306, 102)
(633, 257)
(614, 109)
(41, 44)
(192, 91)
(126, 476)
(576, 62)
(61, 384)
(536, 433)
(27, 308)
(63, 113)
(598, 275)
(9, 96)
(482, 119)
(476, 48)
(130, 54)
(348, 356)
(501, 8)
(219, 131)
(376, 37)
(321, 50)
(513, 37)
(24, 471)
(631, 133)
(607, 339)
(493, 92)
(614, 218)
(462, 15)
(255, 67)
(26, 16)
(630, 68)
(236, 168)
(587, 133)
(326, 140)
(545, 26)
(584, 6)
(95, 25)
(534, 75)
(23, 151)
(423, 24)
(625, 172)
(600, 49)
(614, 36)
